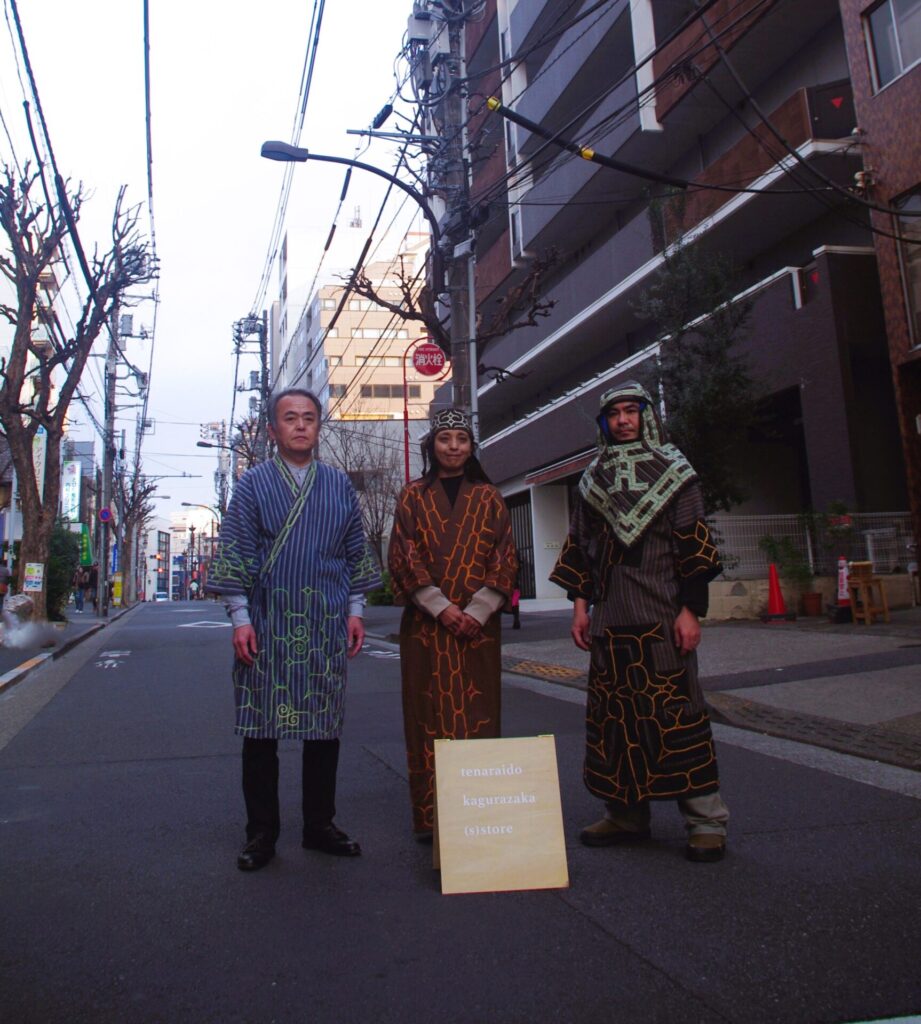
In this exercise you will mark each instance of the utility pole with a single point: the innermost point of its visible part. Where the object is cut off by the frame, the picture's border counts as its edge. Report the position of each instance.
(457, 193)
(254, 330)
(438, 58)
(108, 463)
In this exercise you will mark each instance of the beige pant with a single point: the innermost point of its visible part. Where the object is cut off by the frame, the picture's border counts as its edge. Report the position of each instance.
(702, 814)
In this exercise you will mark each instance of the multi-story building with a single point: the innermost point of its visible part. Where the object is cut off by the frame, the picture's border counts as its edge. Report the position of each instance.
(353, 356)
(884, 50)
(752, 103)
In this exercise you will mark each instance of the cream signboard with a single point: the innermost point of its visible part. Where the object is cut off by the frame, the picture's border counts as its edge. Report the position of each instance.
(499, 819)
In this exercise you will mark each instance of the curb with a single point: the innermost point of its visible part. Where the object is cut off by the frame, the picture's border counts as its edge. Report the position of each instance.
(872, 742)
(17, 674)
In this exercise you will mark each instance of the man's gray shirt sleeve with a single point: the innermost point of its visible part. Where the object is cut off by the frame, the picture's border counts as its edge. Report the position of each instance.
(237, 606)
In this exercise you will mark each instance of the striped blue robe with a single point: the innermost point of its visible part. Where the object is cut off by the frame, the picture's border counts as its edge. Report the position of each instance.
(299, 604)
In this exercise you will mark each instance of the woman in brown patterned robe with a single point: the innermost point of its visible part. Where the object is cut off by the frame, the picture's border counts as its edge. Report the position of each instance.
(452, 563)
(636, 565)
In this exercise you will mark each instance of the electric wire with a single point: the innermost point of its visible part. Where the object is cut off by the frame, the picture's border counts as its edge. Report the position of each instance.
(300, 113)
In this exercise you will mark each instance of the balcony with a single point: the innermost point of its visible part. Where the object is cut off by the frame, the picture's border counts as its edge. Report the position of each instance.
(782, 29)
(594, 319)
(821, 112)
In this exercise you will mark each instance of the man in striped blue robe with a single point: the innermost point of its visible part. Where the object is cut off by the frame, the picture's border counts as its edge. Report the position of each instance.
(293, 566)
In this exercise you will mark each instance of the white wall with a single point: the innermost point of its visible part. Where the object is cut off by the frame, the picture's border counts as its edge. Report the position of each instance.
(550, 523)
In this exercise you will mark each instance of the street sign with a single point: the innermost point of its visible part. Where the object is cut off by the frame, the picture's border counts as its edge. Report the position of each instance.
(428, 359)
(105, 515)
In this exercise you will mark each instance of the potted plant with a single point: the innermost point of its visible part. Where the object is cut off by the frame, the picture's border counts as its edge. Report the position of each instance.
(793, 566)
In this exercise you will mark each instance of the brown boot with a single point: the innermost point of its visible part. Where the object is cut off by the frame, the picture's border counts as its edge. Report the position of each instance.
(705, 847)
(611, 833)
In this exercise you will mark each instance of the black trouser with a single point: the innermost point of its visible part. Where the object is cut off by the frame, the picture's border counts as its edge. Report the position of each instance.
(319, 762)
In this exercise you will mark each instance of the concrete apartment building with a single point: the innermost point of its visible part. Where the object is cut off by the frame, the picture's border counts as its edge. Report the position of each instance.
(353, 357)
(669, 86)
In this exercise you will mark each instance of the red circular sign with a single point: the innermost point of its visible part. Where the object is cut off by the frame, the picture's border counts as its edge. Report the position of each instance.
(428, 359)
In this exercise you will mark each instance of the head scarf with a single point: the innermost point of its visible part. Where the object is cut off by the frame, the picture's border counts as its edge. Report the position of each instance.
(451, 419)
(629, 484)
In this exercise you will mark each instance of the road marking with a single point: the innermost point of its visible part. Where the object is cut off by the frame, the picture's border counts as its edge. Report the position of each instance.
(376, 652)
(203, 624)
(111, 659)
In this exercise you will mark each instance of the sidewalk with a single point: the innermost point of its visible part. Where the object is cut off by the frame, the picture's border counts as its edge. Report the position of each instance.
(27, 649)
(850, 688)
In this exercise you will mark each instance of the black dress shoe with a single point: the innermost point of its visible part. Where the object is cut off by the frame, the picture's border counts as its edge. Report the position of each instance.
(256, 854)
(330, 839)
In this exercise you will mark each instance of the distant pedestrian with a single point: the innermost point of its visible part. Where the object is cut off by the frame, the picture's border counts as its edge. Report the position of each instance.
(636, 565)
(92, 586)
(453, 564)
(5, 576)
(293, 566)
(78, 584)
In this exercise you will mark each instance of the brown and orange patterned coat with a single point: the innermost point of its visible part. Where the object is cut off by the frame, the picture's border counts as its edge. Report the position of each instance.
(451, 686)
(648, 732)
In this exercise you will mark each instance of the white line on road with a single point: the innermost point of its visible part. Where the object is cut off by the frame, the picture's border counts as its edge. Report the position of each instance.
(204, 624)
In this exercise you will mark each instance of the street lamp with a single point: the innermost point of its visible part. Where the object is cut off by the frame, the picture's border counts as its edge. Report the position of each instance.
(216, 518)
(214, 444)
(195, 504)
(286, 153)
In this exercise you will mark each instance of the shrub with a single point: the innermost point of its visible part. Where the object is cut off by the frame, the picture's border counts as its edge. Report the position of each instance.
(383, 594)
(63, 558)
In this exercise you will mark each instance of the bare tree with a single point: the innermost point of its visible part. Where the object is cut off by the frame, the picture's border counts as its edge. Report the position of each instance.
(248, 442)
(39, 378)
(521, 306)
(132, 495)
(370, 454)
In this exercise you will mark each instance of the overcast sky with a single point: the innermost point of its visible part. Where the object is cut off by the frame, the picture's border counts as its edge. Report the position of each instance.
(225, 78)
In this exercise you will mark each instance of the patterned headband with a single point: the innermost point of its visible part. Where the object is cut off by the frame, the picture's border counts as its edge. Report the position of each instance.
(451, 419)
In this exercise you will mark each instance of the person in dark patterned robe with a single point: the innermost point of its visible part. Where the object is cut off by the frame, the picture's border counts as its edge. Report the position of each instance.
(293, 566)
(636, 564)
(453, 564)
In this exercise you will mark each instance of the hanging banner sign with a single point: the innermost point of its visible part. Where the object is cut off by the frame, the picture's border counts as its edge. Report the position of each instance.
(114, 558)
(39, 448)
(86, 548)
(117, 584)
(70, 491)
(499, 821)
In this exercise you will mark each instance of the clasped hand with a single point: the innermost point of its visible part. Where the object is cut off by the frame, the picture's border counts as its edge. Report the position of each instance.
(460, 623)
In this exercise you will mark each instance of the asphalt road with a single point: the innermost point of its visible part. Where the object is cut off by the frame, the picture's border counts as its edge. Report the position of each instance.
(120, 819)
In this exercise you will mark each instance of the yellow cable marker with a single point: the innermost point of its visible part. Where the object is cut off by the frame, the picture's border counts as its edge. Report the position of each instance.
(493, 103)
(586, 153)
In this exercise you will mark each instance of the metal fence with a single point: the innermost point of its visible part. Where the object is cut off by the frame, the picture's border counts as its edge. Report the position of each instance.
(883, 538)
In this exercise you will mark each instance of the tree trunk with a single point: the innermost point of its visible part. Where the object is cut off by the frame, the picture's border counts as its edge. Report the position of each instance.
(129, 577)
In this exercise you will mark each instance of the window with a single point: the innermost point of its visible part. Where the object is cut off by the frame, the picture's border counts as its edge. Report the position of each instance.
(910, 254)
(333, 332)
(387, 390)
(329, 303)
(415, 391)
(893, 38)
(338, 390)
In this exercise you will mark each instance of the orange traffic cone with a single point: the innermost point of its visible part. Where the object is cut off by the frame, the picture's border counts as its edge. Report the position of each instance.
(777, 609)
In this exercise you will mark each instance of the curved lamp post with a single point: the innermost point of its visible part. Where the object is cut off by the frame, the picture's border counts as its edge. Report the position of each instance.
(286, 153)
